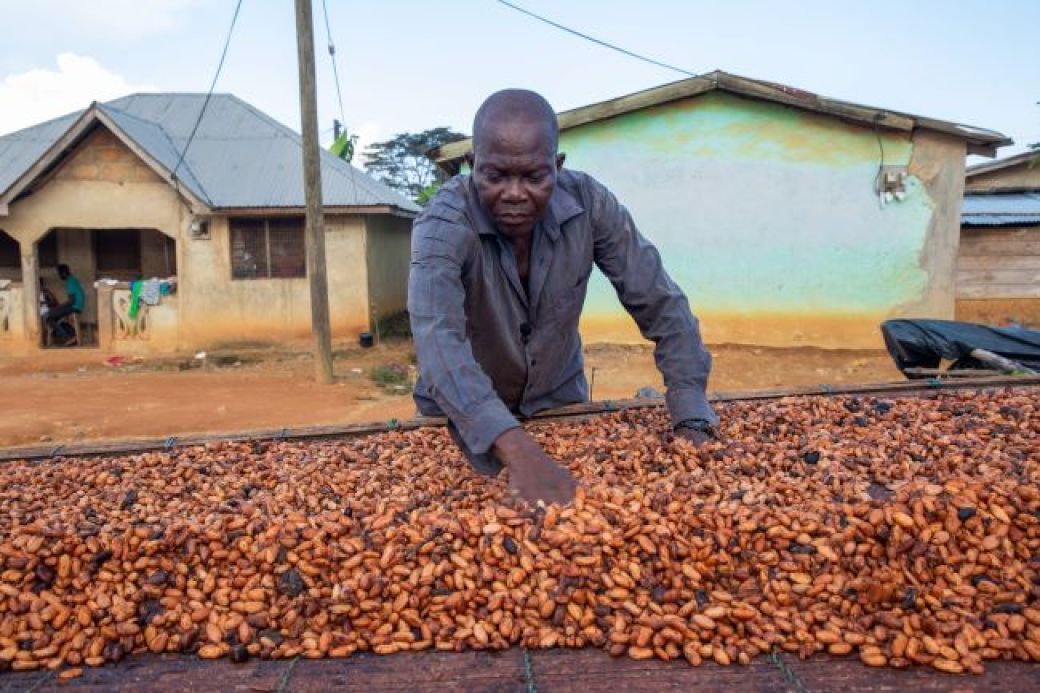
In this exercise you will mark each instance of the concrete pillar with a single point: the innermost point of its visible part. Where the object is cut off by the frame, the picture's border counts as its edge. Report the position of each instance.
(31, 288)
(105, 317)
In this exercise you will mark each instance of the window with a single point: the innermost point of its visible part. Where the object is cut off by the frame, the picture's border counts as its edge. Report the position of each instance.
(118, 252)
(10, 256)
(267, 248)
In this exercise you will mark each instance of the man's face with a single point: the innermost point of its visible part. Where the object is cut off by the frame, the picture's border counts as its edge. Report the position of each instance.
(514, 170)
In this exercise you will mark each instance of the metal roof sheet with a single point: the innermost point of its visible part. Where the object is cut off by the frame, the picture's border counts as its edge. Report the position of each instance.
(239, 158)
(1003, 209)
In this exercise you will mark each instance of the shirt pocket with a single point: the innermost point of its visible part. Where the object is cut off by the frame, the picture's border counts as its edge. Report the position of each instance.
(568, 301)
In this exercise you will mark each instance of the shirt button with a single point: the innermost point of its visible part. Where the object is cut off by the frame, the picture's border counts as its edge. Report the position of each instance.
(534, 362)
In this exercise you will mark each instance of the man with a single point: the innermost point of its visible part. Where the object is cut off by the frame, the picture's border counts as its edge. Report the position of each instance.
(500, 265)
(73, 303)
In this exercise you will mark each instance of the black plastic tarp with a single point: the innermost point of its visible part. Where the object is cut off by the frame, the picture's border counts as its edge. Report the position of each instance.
(923, 343)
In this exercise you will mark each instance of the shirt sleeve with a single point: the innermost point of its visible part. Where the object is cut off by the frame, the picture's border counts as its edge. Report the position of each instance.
(436, 306)
(658, 305)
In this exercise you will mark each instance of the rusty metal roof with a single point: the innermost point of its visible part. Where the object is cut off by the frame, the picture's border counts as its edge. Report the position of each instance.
(979, 140)
(240, 158)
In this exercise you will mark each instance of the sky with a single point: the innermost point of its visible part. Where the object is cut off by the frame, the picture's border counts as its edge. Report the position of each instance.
(409, 65)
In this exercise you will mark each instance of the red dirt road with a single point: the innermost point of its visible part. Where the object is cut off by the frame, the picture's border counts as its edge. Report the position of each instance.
(69, 396)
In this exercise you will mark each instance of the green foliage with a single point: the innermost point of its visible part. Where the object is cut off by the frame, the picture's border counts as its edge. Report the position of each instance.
(401, 161)
(389, 374)
(427, 193)
(343, 147)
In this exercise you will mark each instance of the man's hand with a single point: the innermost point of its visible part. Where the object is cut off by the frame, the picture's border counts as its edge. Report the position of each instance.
(695, 431)
(698, 438)
(533, 475)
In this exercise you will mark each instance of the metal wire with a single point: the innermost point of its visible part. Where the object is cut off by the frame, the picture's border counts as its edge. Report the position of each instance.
(209, 94)
(332, 59)
(339, 92)
(597, 41)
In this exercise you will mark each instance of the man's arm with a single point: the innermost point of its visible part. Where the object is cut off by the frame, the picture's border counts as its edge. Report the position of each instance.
(659, 307)
(436, 304)
(436, 307)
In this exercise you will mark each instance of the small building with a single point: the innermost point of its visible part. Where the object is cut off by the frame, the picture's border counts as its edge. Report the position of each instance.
(788, 218)
(112, 193)
(998, 264)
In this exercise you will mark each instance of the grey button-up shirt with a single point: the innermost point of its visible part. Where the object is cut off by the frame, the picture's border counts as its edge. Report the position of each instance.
(489, 350)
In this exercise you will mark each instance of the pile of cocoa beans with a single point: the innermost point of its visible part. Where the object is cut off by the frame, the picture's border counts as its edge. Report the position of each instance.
(906, 531)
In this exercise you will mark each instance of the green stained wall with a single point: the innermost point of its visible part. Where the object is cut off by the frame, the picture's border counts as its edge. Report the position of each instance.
(766, 216)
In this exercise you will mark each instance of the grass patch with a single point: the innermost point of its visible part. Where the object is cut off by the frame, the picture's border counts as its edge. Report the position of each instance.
(391, 376)
(396, 326)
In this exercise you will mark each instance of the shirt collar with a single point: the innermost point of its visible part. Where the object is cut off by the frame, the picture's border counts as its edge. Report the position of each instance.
(562, 207)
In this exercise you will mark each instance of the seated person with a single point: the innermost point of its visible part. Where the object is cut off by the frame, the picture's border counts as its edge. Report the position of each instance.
(47, 300)
(73, 304)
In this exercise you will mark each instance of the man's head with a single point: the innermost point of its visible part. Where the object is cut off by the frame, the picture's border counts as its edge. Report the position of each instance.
(514, 158)
(63, 271)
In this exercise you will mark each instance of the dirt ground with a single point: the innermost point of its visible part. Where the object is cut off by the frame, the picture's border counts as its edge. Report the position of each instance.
(74, 395)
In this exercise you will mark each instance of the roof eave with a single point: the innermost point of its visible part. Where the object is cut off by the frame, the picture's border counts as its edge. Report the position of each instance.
(1001, 164)
(90, 116)
(979, 140)
(392, 210)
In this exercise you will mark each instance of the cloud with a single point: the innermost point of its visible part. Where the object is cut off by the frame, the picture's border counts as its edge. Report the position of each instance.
(367, 133)
(40, 94)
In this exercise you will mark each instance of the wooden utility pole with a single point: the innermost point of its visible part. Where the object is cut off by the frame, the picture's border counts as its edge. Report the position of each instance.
(316, 274)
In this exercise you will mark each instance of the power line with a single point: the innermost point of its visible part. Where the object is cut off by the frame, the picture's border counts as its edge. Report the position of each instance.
(209, 94)
(339, 96)
(597, 41)
(332, 59)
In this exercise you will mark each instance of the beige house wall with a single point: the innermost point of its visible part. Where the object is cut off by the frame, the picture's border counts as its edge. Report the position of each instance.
(937, 162)
(218, 310)
(345, 252)
(388, 258)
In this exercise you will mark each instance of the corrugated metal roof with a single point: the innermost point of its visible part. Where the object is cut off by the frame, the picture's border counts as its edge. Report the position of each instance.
(239, 158)
(19, 150)
(1003, 209)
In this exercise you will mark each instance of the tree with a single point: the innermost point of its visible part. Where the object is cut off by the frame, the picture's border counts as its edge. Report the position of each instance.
(401, 161)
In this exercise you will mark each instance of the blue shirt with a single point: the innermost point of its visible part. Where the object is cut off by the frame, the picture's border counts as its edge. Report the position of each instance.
(75, 293)
(489, 349)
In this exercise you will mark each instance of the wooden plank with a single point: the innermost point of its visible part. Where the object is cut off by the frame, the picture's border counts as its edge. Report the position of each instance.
(581, 671)
(995, 290)
(160, 674)
(426, 672)
(849, 675)
(999, 261)
(552, 671)
(1016, 245)
(1023, 277)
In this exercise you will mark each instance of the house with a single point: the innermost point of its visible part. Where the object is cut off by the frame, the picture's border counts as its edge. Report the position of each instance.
(998, 264)
(107, 192)
(788, 218)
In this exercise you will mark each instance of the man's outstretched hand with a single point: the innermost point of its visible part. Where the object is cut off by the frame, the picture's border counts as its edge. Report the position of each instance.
(698, 438)
(533, 475)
